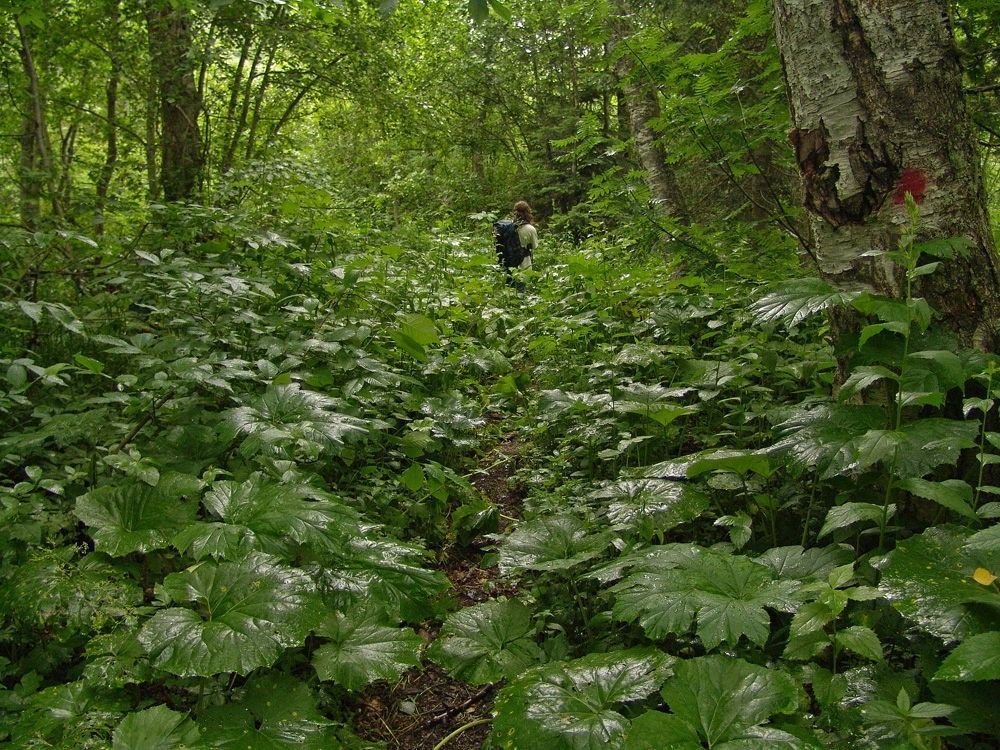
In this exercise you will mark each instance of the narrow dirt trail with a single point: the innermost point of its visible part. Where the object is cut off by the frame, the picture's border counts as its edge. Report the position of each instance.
(427, 705)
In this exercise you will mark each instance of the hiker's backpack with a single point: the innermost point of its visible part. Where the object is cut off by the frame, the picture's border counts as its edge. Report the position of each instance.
(510, 254)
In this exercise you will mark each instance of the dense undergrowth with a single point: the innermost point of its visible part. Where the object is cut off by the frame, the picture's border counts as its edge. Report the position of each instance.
(230, 456)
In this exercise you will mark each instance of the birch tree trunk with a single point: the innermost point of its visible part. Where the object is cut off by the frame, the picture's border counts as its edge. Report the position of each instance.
(878, 112)
(643, 108)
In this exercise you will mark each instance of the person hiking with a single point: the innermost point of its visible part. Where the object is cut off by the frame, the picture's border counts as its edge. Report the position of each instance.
(526, 231)
(516, 239)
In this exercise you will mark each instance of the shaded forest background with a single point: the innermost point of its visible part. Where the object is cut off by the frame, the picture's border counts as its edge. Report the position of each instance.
(273, 425)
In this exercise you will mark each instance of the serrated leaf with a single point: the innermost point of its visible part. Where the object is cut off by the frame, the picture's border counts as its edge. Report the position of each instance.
(576, 704)
(245, 614)
(727, 595)
(156, 728)
(362, 649)
(987, 540)
(727, 700)
(281, 515)
(975, 659)
(487, 642)
(953, 494)
(285, 414)
(797, 299)
(860, 640)
(863, 377)
(663, 503)
(276, 711)
(927, 578)
(221, 541)
(801, 564)
(133, 517)
(821, 436)
(551, 543)
(842, 516)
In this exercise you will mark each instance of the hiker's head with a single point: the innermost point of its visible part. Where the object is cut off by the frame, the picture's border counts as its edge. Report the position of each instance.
(522, 212)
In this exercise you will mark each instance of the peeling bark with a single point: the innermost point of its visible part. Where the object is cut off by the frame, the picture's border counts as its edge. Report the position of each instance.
(878, 111)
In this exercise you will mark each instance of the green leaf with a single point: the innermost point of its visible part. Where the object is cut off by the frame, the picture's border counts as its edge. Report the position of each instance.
(419, 328)
(133, 517)
(363, 649)
(276, 711)
(987, 540)
(222, 541)
(876, 328)
(245, 614)
(727, 699)
(736, 461)
(281, 515)
(479, 10)
(953, 494)
(551, 543)
(863, 377)
(487, 642)
(928, 579)
(822, 436)
(977, 658)
(663, 503)
(89, 364)
(576, 704)
(800, 564)
(728, 596)
(842, 516)
(156, 728)
(413, 478)
(797, 299)
(860, 640)
(286, 414)
(655, 730)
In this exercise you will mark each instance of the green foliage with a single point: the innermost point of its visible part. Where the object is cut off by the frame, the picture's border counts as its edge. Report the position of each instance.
(487, 642)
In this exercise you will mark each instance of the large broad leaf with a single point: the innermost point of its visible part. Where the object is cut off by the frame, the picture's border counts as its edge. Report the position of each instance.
(800, 564)
(286, 415)
(928, 578)
(978, 658)
(222, 541)
(276, 711)
(384, 573)
(660, 503)
(953, 494)
(282, 514)
(842, 516)
(821, 436)
(728, 596)
(552, 543)
(156, 728)
(134, 517)
(575, 705)
(720, 702)
(245, 614)
(487, 642)
(797, 299)
(362, 649)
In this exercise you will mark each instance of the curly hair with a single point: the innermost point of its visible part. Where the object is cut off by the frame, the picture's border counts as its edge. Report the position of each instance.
(522, 213)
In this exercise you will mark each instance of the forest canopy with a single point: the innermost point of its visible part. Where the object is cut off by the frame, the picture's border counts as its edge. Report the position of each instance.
(294, 455)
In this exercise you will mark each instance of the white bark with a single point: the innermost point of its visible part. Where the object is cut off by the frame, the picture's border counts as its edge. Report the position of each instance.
(877, 107)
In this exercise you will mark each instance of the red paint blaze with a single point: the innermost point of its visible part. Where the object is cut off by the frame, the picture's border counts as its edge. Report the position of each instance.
(912, 181)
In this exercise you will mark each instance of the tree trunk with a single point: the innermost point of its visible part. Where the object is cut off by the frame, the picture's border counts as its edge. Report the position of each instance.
(111, 121)
(643, 108)
(170, 43)
(36, 168)
(877, 106)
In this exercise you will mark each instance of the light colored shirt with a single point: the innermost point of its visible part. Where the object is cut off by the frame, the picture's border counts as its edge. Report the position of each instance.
(528, 237)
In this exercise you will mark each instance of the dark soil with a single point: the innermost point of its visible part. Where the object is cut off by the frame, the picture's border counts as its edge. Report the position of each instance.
(426, 705)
